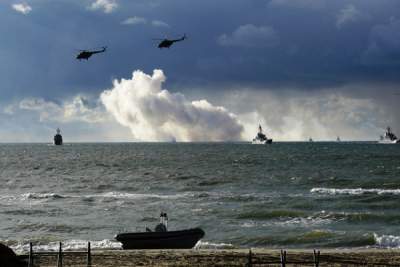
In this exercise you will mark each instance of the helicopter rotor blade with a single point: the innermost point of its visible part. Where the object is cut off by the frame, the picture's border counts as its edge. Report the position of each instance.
(92, 49)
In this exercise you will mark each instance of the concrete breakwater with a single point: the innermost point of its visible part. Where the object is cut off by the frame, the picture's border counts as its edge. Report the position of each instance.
(236, 257)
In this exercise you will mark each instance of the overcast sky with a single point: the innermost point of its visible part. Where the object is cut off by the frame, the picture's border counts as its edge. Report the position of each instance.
(301, 68)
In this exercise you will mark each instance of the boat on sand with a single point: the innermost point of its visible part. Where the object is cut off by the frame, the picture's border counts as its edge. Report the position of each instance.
(161, 238)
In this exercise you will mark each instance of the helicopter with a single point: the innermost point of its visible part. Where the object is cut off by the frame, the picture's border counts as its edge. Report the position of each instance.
(166, 43)
(86, 54)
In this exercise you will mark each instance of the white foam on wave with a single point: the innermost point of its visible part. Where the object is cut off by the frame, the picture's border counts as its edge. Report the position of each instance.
(121, 195)
(33, 197)
(249, 224)
(12, 200)
(41, 196)
(295, 222)
(354, 191)
(8, 197)
(209, 245)
(304, 222)
(387, 241)
(69, 245)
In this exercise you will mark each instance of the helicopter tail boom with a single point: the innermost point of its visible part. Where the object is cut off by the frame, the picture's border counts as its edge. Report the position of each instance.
(100, 51)
(180, 39)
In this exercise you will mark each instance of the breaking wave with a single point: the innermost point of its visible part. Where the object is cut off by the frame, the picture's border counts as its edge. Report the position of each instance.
(324, 238)
(42, 196)
(32, 196)
(260, 215)
(354, 191)
(115, 195)
(288, 218)
(120, 195)
(387, 241)
(359, 217)
(210, 245)
(68, 246)
(304, 222)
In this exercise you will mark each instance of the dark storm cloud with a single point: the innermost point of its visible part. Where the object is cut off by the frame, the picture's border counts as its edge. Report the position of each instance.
(250, 36)
(299, 67)
(384, 44)
(278, 43)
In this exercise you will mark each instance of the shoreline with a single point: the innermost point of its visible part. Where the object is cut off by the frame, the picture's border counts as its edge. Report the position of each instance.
(220, 257)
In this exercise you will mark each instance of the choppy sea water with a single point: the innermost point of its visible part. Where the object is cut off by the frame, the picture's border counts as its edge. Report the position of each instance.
(286, 195)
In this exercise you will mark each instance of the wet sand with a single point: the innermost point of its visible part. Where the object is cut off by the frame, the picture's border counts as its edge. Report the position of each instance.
(260, 257)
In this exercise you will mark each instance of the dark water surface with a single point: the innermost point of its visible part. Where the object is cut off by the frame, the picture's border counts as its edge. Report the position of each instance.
(299, 195)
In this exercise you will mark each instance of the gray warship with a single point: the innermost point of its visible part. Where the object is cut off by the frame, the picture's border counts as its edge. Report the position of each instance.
(58, 141)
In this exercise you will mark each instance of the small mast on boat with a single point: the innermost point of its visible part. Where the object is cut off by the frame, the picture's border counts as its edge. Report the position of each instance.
(163, 225)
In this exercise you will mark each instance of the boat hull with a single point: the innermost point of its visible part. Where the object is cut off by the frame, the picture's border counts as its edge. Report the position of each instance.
(58, 140)
(263, 142)
(397, 141)
(184, 239)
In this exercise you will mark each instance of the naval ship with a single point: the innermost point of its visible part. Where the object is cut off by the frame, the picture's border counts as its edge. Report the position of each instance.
(58, 141)
(389, 137)
(261, 138)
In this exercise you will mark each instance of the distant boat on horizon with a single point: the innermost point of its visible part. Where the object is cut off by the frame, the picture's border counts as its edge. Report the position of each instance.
(338, 139)
(310, 140)
(261, 138)
(58, 141)
(389, 137)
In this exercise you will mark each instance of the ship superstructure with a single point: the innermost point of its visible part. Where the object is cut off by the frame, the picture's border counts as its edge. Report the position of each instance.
(389, 137)
(261, 138)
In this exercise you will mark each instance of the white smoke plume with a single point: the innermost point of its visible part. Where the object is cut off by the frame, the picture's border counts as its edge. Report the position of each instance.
(155, 114)
(288, 115)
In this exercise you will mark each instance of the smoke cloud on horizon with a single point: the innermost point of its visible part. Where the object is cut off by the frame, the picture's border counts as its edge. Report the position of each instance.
(155, 114)
(140, 109)
(323, 115)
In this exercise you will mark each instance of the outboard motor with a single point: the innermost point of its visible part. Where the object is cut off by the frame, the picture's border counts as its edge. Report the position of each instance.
(163, 225)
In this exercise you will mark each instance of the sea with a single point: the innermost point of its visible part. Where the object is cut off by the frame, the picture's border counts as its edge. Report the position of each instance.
(285, 195)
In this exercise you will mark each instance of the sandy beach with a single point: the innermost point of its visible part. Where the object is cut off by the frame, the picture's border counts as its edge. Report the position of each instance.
(260, 257)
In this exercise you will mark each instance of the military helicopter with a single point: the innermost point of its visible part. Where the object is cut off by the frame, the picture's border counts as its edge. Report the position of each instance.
(166, 43)
(86, 54)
